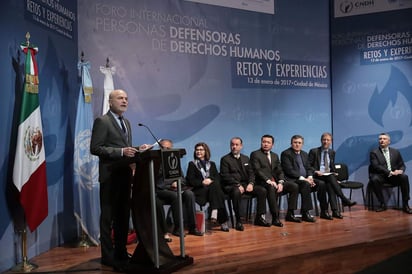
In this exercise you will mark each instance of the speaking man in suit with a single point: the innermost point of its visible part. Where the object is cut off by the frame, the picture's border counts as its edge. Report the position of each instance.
(238, 179)
(322, 160)
(269, 174)
(295, 165)
(111, 141)
(386, 165)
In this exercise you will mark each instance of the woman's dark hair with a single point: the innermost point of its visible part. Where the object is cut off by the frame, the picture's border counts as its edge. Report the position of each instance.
(205, 147)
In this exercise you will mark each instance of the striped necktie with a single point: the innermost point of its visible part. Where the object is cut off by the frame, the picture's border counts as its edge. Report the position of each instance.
(122, 124)
(387, 158)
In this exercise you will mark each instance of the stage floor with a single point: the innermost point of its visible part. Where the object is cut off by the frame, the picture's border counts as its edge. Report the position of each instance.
(363, 238)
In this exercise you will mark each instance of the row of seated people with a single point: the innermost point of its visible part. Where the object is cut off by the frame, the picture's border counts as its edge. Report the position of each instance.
(266, 176)
(111, 141)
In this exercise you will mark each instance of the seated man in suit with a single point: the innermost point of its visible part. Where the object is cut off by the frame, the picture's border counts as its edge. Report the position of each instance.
(297, 169)
(166, 191)
(269, 174)
(386, 165)
(322, 160)
(237, 178)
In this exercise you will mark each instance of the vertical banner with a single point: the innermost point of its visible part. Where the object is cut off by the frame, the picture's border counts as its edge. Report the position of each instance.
(86, 166)
(29, 172)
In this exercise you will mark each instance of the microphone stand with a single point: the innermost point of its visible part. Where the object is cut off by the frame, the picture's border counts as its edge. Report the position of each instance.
(151, 133)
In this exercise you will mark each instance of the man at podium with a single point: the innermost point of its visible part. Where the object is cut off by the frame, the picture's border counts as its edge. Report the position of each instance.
(111, 141)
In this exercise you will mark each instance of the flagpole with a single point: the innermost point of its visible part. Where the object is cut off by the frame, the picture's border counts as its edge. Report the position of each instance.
(84, 240)
(85, 165)
(25, 265)
(31, 218)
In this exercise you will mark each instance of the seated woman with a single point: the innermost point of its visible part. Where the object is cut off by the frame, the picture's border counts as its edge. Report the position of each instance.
(203, 176)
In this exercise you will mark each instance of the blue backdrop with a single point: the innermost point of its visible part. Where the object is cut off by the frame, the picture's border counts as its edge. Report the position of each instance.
(197, 72)
(193, 72)
(371, 84)
(187, 93)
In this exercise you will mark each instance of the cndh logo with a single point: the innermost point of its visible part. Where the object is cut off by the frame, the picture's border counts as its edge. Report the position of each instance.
(347, 6)
(173, 161)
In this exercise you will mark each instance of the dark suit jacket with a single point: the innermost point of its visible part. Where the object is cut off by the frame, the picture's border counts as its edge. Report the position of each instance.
(315, 159)
(233, 174)
(263, 169)
(378, 162)
(194, 177)
(290, 166)
(107, 142)
(161, 183)
(115, 176)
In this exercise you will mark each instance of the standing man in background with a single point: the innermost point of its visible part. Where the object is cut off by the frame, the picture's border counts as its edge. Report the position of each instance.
(387, 166)
(111, 141)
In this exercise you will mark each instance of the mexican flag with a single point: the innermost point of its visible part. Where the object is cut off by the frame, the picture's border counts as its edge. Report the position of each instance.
(29, 173)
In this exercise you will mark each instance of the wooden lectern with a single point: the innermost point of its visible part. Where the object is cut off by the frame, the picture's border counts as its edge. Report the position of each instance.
(152, 253)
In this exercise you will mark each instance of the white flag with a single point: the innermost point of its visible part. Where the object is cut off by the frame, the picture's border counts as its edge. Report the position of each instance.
(108, 85)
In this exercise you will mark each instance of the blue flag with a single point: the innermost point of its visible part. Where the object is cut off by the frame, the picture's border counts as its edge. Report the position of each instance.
(86, 166)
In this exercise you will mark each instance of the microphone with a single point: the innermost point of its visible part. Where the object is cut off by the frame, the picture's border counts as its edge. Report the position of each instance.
(151, 133)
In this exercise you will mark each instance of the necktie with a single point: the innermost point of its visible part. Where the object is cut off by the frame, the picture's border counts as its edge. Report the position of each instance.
(325, 161)
(122, 124)
(387, 158)
(269, 158)
(302, 169)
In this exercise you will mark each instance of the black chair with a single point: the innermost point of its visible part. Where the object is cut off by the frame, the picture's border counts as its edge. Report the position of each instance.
(387, 186)
(314, 198)
(344, 182)
(230, 208)
(249, 199)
